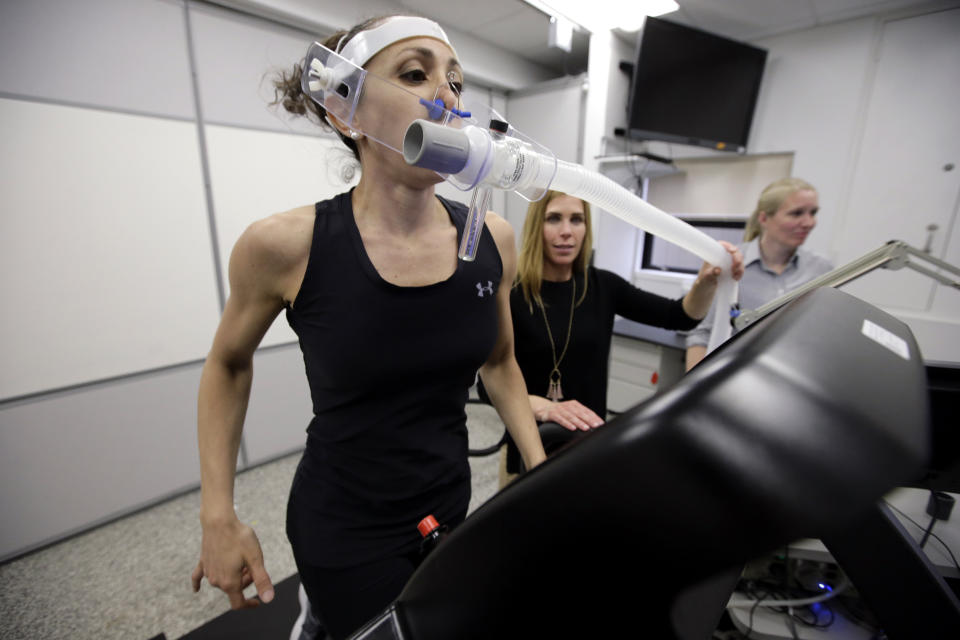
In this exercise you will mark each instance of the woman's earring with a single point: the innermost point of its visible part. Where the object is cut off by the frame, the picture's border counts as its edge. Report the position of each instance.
(354, 135)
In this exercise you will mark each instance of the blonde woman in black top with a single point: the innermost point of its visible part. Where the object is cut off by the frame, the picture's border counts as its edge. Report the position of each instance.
(563, 311)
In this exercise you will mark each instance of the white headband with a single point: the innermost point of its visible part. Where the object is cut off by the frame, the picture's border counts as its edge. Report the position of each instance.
(367, 44)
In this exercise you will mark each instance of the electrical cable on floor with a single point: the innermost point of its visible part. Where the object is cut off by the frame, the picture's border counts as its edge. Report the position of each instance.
(791, 625)
(753, 610)
(785, 597)
(795, 615)
(800, 602)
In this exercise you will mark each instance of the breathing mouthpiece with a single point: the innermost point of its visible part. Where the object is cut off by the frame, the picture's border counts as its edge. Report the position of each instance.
(498, 157)
(433, 146)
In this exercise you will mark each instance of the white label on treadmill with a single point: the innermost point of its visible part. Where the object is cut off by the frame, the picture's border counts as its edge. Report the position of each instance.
(883, 337)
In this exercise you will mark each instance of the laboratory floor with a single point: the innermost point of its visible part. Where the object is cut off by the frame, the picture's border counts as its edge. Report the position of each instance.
(130, 579)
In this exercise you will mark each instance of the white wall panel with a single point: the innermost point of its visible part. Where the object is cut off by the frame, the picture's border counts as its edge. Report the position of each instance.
(237, 59)
(105, 261)
(911, 131)
(280, 408)
(255, 174)
(810, 102)
(121, 54)
(552, 115)
(946, 300)
(82, 456)
(937, 336)
(729, 185)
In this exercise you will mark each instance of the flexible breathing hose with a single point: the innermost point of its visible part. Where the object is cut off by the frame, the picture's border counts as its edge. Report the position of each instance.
(601, 191)
(477, 158)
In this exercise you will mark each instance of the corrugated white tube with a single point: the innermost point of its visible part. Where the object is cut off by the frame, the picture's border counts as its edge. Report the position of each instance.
(473, 156)
(603, 192)
(727, 293)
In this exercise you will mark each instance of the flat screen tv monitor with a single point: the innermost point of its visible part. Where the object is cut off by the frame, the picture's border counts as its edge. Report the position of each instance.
(693, 87)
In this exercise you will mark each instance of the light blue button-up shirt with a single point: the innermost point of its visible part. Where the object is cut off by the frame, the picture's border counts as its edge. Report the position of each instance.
(760, 284)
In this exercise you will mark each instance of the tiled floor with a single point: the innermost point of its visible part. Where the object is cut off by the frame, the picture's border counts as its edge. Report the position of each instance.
(130, 579)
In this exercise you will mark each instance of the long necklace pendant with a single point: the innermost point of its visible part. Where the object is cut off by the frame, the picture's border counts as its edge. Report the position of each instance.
(554, 392)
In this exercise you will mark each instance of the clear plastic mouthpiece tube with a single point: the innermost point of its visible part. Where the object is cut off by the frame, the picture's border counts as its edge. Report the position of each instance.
(493, 160)
(473, 148)
(473, 228)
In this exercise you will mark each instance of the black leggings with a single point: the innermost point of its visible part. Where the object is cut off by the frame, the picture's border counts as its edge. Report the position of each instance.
(344, 599)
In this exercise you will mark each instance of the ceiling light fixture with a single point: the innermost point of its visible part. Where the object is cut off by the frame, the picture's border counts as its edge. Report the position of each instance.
(560, 34)
(602, 15)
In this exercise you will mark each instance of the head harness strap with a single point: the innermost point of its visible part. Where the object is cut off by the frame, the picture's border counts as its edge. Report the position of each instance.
(367, 44)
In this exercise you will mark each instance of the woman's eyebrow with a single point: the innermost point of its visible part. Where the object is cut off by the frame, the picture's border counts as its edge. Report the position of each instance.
(428, 53)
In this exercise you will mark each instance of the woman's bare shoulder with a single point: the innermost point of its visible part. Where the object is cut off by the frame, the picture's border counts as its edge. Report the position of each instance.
(502, 232)
(280, 237)
(500, 229)
(275, 246)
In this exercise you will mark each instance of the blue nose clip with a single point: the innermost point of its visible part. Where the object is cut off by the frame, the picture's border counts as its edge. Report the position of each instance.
(435, 109)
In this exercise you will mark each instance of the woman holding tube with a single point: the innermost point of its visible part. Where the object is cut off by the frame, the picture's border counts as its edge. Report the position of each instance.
(775, 262)
(563, 311)
(392, 330)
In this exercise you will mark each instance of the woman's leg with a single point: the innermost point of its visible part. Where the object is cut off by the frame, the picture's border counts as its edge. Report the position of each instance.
(347, 598)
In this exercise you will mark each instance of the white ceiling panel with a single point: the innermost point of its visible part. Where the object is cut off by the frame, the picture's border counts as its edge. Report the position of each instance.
(523, 31)
(835, 10)
(466, 15)
(516, 27)
(745, 19)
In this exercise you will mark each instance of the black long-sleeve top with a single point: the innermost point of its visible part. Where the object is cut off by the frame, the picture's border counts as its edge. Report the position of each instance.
(585, 367)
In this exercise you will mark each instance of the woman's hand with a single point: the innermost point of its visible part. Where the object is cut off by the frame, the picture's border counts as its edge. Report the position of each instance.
(569, 414)
(697, 302)
(709, 272)
(231, 560)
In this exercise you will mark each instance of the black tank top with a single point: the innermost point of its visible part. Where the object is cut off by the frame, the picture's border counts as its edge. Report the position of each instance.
(389, 368)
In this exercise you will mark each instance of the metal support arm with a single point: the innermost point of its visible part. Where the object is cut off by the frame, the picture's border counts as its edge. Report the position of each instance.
(895, 254)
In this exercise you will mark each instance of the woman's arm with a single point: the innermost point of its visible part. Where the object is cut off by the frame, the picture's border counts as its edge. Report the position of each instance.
(697, 302)
(695, 354)
(261, 261)
(680, 314)
(500, 373)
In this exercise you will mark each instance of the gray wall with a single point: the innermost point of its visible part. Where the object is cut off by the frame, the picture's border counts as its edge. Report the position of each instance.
(562, 132)
(138, 143)
(867, 110)
(117, 218)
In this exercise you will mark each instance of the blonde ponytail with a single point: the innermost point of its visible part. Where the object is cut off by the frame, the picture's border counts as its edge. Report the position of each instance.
(770, 200)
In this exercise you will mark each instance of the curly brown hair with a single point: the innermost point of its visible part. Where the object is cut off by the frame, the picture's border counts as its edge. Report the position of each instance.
(289, 94)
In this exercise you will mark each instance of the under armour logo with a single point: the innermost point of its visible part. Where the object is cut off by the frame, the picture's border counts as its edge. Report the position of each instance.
(481, 288)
